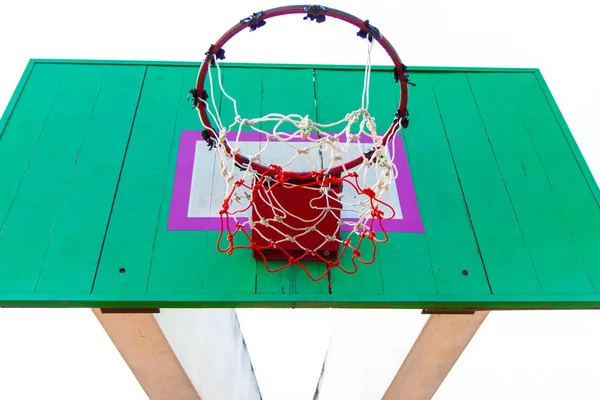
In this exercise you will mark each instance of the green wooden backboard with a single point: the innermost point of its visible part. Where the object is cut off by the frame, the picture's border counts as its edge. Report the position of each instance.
(102, 172)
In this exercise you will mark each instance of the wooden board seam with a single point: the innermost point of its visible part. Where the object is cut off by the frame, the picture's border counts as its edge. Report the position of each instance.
(462, 191)
(512, 206)
(174, 133)
(60, 208)
(112, 206)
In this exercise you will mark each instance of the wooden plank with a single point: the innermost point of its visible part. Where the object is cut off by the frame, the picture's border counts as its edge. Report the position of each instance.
(339, 93)
(550, 243)
(177, 263)
(21, 133)
(74, 247)
(456, 260)
(147, 352)
(125, 262)
(434, 353)
(574, 194)
(32, 217)
(188, 261)
(507, 260)
(402, 264)
(287, 91)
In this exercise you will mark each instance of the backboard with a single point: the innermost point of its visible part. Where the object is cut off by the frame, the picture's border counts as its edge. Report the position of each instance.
(109, 195)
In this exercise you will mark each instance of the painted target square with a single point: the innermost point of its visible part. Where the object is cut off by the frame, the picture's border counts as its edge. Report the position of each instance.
(199, 188)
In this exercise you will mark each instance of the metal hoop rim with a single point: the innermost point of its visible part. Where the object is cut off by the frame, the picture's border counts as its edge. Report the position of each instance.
(259, 18)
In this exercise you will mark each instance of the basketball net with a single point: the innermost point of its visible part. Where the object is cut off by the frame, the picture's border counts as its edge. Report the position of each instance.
(334, 144)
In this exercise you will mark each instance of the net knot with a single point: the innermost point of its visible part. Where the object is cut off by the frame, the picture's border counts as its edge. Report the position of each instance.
(290, 239)
(368, 192)
(244, 121)
(302, 151)
(305, 123)
(239, 182)
(330, 180)
(383, 186)
(371, 126)
(352, 117)
(293, 260)
(281, 178)
(377, 213)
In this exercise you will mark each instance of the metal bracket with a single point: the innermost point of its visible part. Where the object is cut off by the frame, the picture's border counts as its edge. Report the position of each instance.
(219, 54)
(195, 98)
(210, 141)
(254, 21)
(404, 117)
(404, 75)
(369, 32)
(315, 13)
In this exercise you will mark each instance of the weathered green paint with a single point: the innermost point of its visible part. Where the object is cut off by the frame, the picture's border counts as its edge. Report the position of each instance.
(86, 173)
(498, 233)
(542, 220)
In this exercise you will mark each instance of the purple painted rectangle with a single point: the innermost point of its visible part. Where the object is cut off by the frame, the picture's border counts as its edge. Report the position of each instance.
(178, 214)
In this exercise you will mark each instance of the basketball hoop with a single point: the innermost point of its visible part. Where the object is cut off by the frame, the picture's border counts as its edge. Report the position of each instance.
(295, 215)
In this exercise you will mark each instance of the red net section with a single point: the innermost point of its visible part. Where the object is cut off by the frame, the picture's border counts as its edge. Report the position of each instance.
(296, 221)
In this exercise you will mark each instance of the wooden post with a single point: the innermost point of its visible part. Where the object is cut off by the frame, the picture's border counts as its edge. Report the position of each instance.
(184, 353)
(441, 342)
(143, 346)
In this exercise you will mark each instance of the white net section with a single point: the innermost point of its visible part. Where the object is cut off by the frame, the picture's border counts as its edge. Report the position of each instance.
(284, 215)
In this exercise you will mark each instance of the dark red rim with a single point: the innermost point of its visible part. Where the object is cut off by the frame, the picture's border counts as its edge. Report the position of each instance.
(254, 22)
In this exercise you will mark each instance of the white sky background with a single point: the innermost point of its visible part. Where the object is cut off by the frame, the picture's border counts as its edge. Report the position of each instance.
(64, 354)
